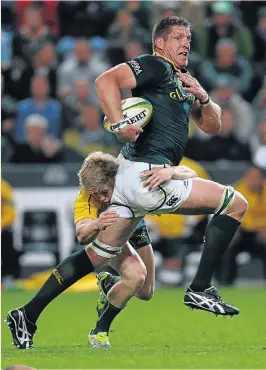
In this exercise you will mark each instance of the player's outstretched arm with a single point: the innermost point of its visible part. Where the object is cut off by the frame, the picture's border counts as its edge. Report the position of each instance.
(108, 86)
(87, 229)
(210, 120)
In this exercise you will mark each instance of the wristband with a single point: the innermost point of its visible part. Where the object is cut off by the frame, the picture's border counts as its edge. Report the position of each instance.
(118, 126)
(205, 102)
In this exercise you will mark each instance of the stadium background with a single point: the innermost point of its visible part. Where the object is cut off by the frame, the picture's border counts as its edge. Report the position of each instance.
(50, 72)
(51, 53)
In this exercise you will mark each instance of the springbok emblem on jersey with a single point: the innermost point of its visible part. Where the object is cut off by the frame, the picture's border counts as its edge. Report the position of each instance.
(182, 97)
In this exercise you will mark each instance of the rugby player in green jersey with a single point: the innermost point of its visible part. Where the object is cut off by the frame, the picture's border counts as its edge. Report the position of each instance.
(146, 179)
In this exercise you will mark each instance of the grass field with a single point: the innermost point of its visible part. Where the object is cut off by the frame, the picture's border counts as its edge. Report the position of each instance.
(161, 333)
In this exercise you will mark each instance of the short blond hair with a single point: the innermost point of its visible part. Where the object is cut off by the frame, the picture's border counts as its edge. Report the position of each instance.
(98, 172)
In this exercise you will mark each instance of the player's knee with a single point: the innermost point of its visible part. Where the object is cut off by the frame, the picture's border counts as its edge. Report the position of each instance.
(140, 277)
(233, 204)
(240, 206)
(146, 297)
(243, 204)
(135, 277)
(145, 293)
(135, 283)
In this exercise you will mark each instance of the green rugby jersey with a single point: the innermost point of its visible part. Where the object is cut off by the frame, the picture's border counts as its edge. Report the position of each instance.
(165, 136)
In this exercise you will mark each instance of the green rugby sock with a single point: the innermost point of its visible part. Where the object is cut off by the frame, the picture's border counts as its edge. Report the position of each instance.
(69, 271)
(106, 319)
(109, 282)
(218, 235)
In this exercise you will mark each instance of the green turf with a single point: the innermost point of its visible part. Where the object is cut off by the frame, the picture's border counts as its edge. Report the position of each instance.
(161, 333)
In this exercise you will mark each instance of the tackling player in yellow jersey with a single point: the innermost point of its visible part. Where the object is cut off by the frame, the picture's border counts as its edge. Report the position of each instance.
(90, 217)
(91, 203)
(136, 277)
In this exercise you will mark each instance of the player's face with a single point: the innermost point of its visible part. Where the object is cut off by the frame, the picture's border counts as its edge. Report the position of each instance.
(104, 197)
(177, 45)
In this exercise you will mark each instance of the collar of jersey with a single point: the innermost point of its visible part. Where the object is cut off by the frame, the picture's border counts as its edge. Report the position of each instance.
(183, 70)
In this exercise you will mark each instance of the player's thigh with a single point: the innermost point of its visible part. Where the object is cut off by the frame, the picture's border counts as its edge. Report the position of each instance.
(139, 239)
(204, 198)
(130, 265)
(126, 252)
(96, 258)
(147, 289)
(117, 234)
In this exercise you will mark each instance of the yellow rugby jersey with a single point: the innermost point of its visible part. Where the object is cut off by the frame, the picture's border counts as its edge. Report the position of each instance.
(8, 213)
(86, 206)
(255, 218)
(195, 166)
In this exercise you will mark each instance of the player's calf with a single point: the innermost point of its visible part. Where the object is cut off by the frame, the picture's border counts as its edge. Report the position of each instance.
(229, 210)
(133, 275)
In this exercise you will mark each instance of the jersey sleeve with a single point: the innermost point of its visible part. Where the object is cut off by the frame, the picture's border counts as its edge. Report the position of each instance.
(148, 70)
(84, 207)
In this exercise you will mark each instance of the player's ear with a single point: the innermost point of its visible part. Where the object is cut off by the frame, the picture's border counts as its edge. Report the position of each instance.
(159, 43)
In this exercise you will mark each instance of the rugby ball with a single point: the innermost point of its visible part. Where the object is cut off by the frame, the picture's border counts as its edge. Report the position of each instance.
(136, 111)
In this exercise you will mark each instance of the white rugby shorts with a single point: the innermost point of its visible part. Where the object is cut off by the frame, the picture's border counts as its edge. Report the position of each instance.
(131, 199)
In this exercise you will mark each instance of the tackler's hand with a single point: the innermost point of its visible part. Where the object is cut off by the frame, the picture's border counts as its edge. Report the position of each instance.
(106, 218)
(156, 176)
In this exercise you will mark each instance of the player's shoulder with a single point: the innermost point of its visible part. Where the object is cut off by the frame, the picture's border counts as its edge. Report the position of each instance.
(155, 59)
(85, 198)
(83, 194)
(148, 61)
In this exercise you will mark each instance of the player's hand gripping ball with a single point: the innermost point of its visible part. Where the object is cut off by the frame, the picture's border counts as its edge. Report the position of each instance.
(136, 111)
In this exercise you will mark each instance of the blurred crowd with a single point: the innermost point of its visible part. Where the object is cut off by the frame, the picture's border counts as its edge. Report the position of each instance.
(52, 52)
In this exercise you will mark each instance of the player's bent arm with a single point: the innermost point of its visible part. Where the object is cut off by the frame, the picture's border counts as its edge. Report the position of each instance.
(108, 86)
(210, 120)
(87, 230)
